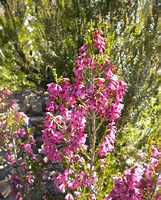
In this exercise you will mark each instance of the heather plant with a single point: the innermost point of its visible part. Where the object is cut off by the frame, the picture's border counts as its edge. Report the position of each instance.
(16, 146)
(77, 112)
(139, 181)
(81, 127)
(79, 135)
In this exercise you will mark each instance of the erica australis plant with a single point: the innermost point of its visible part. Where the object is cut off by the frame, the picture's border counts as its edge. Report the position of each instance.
(80, 122)
(17, 143)
(80, 129)
(79, 134)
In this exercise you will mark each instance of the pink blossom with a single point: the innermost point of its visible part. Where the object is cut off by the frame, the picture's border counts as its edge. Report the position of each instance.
(31, 139)
(99, 41)
(11, 159)
(114, 111)
(30, 181)
(61, 188)
(77, 194)
(155, 152)
(142, 154)
(54, 90)
(51, 106)
(154, 162)
(112, 131)
(19, 196)
(69, 197)
(106, 147)
(19, 186)
(159, 180)
(27, 148)
(148, 172)
(24, 117)
(21, 133)
(107, 59)
(129, 186)
(108, 70)
(92, 196)
(83, 48)
(107, 197)
(158, 197)
(100, 81)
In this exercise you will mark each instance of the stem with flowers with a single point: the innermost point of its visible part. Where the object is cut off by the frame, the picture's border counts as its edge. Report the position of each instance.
(81, 110)
(93, 141)
(17, 141)
(80, 129)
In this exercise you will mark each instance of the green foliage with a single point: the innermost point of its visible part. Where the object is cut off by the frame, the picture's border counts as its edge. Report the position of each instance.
(39, 36)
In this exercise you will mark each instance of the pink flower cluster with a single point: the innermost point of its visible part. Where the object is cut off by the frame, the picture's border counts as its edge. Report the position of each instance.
(128, 187)
(99, 41)
(137, 180)
(80, 179)
(96, 93)
(17, 142)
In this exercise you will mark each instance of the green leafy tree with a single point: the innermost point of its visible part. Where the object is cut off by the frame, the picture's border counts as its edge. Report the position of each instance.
(41, 36)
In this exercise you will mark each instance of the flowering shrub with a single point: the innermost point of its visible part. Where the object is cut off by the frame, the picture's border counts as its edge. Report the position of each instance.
(137, 182)
(80, 122)
(80, 130)
(17, 142)
(79, 135)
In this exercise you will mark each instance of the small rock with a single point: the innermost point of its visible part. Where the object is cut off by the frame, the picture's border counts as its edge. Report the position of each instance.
(37, 121)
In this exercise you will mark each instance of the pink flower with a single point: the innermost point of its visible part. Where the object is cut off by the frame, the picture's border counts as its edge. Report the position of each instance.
(92, 196)
(59, 119)
(54, 90)
(99, 41)
(19, 186)
(78, 194)
(148, 172)
(27, 148)
(129, 186)
(51, 106)
(11, 159)
(155, 152)
(61, 188)
(83, 48)
(114, 111)
(108, 70)
(158, 197)
(142, 154)
(20, 133)
(107, 59)
(154, 162)
(100, 81)
(106, 147)
(159, 180)
(30, 181)
(69, 197)
(24, 117)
